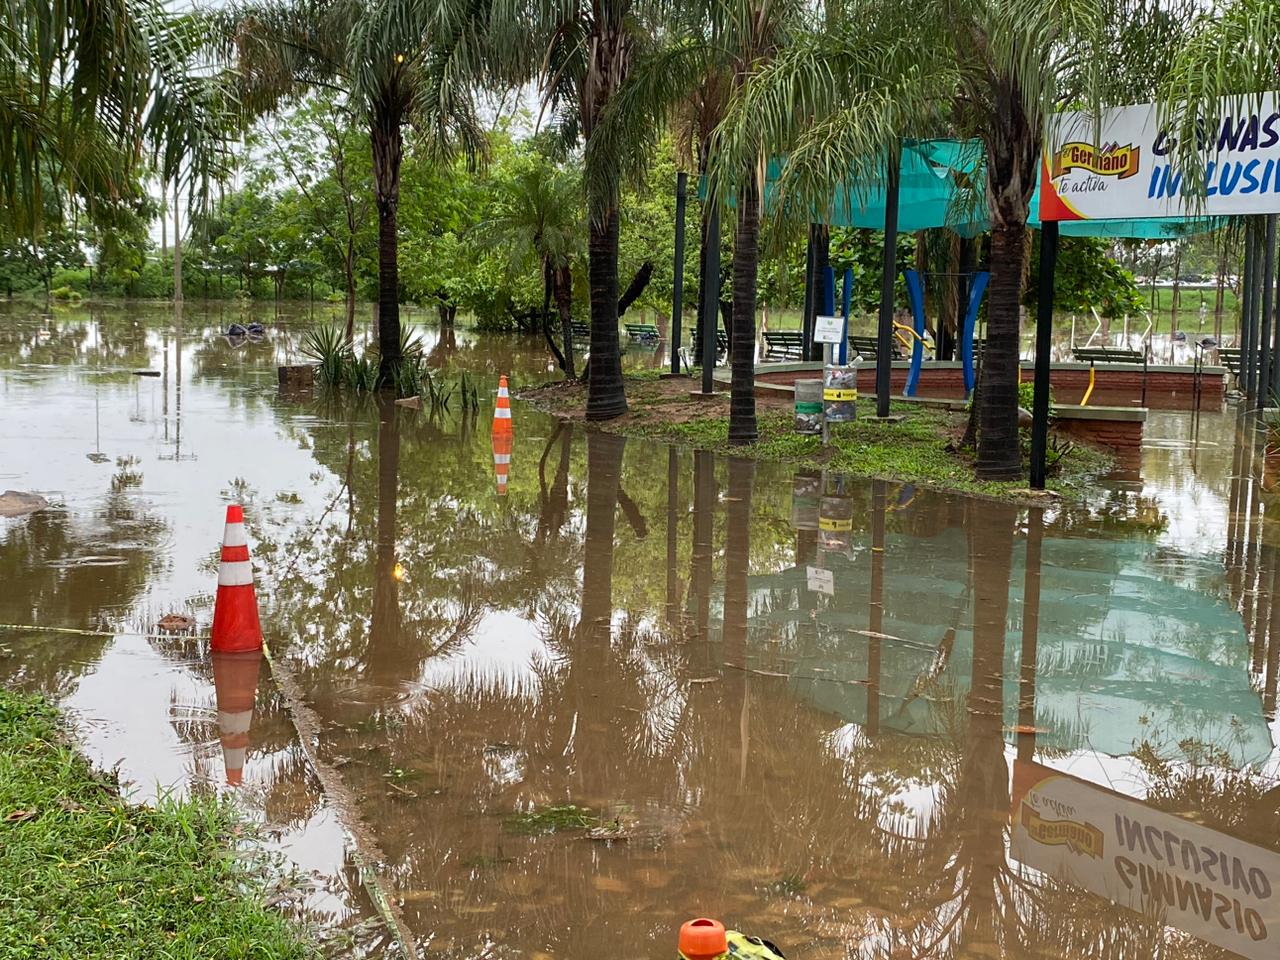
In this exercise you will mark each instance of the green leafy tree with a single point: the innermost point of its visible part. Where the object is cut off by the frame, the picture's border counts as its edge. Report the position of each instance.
(583, 53)
(397, 63)
(321, 151)
(537, 219)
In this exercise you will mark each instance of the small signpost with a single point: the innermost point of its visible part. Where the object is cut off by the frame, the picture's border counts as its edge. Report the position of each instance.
(821, 581)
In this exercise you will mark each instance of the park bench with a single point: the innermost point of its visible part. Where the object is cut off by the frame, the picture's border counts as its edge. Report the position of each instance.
(581, 332)
(866, 347)
(783, 345)
(1095, 355)
(1109, 355)
(1229, 357)
(722, 345)
(646, 332)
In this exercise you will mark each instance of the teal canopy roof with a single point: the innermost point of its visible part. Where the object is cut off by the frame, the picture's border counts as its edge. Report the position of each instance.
(941, 185)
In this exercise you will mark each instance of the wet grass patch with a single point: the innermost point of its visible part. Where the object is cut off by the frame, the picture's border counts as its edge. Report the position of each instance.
(84, 874)
(551, 819)
(920, 445)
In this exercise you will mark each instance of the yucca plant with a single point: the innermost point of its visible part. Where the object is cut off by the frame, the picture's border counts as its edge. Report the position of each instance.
(361, 374)
(327, 347)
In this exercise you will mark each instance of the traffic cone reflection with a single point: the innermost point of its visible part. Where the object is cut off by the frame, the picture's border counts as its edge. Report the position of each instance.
(502, 458)
(235, 683)
(235, 611)
(502, 410)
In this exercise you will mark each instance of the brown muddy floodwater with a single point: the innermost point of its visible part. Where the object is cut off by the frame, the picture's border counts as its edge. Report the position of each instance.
(642, 684)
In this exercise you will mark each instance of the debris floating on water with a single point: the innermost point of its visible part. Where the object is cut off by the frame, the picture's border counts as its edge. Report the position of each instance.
(175, 623)
(16, 503)
(146, 373)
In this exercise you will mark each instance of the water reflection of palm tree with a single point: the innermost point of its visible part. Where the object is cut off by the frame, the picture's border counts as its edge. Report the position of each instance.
(386, 630)
(737, 557)
(553, 498)
(958, 865)
(704, 503)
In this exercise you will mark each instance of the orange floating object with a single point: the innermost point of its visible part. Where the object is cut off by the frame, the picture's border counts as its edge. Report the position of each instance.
(235, 611)
(702, 939)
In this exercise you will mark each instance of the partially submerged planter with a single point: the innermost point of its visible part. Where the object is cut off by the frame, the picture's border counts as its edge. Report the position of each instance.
(301, 376)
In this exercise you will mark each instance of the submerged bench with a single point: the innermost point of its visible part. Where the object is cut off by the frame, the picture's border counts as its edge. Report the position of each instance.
(641, 331)
(1230, 358)
(784, 345)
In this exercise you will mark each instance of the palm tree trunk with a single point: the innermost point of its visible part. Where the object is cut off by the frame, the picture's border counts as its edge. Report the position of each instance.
(388, 147)
(563, 281)
(548, 280)
(999, 455)
(746, 256)
(606, 398)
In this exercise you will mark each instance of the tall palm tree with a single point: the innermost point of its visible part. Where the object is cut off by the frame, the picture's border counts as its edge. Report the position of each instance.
(709, 53)
(1228, 51)
(581, 52)
(90, 93)
(396, 63)
(842, 99)
(538, 219)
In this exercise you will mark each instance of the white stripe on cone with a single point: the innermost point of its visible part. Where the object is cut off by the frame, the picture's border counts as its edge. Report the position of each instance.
(234, 536)
(232, 723)
(502, 413)
(235, 573)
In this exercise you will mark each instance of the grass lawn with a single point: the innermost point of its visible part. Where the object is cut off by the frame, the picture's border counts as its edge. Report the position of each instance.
(85, 875)
(918, 448)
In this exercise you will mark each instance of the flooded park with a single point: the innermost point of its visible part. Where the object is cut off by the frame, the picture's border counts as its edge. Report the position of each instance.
(561, 704)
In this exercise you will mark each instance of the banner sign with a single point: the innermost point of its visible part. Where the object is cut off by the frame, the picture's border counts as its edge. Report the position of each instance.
(1211, 885)
(1127, 174)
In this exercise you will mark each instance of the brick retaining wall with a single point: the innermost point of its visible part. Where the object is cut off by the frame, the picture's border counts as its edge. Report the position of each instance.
(1116, 385)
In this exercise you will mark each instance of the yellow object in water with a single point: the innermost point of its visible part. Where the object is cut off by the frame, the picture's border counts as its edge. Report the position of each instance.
(743, 947)
(751, 948)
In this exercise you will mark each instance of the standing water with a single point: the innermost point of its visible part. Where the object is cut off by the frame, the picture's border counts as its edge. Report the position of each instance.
(568, 702)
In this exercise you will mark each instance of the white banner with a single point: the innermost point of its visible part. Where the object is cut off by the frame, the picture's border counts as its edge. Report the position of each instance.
(1211, 885)
(1126, 174)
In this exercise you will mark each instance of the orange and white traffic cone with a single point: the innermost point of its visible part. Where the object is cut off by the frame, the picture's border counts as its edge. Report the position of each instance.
(502, 458)
(502, 410)
(235, 611)
(235, 683)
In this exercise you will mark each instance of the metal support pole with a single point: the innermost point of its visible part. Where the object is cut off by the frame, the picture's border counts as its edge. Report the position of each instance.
(1266, 357)
(875, 612)
(821, 265)
(1255, 312)
(1275, 334)
(1030, 628)
(710, 319)
(889, 274)
(677, 270)
(1246, 312)
(1044, 344)
(806, 318)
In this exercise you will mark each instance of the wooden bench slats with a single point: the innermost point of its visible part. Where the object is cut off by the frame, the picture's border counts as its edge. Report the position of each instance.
(1109, 355)
(786, 344)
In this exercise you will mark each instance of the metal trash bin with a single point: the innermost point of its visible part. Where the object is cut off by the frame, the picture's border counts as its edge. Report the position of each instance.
(809, 406)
